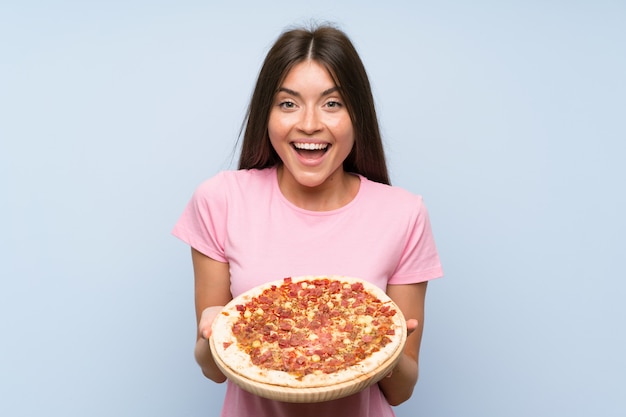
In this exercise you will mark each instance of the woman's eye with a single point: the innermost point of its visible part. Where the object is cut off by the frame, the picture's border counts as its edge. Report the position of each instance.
(287, 104)
(333, 104)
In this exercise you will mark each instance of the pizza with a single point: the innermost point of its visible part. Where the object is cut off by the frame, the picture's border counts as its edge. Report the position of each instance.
(308, 332)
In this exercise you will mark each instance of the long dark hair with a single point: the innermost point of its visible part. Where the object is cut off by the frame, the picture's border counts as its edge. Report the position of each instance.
(333, 49)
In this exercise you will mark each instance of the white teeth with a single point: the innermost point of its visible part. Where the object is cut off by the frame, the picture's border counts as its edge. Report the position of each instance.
(311, 146)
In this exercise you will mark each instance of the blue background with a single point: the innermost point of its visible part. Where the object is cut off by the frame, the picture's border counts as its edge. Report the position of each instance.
(508, 116)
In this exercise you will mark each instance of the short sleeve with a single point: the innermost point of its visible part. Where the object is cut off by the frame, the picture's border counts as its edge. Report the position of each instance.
(419, 260)
(202, 224)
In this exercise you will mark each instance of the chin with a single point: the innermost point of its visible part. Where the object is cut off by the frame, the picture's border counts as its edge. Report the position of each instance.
(311, 181)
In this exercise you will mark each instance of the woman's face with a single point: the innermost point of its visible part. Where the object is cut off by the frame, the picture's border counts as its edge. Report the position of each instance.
(309, 126)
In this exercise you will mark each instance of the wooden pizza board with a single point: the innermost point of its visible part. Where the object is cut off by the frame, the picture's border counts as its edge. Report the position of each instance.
(313, 394)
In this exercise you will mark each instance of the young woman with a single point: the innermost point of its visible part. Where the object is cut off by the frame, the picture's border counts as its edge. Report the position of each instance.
(311, 197)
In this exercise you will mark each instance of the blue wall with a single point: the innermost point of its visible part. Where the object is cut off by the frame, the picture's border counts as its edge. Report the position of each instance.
(507, 116)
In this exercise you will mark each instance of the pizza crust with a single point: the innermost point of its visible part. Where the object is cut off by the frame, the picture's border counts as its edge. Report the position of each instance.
(237, 364)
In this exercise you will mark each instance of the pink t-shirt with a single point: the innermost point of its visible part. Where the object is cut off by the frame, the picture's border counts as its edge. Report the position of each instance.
(241, 217)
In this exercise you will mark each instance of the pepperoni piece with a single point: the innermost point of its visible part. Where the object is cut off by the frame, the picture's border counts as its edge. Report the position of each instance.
(285, 325)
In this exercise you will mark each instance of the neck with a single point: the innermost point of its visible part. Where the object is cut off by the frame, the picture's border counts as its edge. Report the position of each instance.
(337, 191)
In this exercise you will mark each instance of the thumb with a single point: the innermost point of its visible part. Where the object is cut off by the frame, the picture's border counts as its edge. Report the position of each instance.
(206, 332)
(411, 325)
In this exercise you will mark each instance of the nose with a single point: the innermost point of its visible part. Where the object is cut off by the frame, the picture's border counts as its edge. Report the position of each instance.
(311, 121)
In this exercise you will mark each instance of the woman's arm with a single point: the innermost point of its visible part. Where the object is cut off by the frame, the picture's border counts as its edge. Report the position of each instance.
(212, 292)
(398, 387)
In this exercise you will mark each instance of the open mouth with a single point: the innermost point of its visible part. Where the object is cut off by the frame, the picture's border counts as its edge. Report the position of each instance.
(311, 150)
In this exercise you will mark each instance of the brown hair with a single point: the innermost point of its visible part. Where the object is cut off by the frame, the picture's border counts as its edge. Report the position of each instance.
(334, 50)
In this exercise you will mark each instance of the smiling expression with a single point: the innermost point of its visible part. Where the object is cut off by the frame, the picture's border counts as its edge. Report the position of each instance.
(310, 127)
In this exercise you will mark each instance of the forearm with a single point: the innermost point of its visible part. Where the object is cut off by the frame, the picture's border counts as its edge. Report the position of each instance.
(204, 357)
(398, 387)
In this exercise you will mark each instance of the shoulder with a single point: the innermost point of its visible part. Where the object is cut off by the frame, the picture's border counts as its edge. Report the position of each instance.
(228, 182)
(394, 206)
(241, 176)
(391, 197)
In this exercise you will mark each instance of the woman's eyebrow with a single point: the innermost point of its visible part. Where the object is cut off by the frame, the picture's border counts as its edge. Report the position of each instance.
(295, 93)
